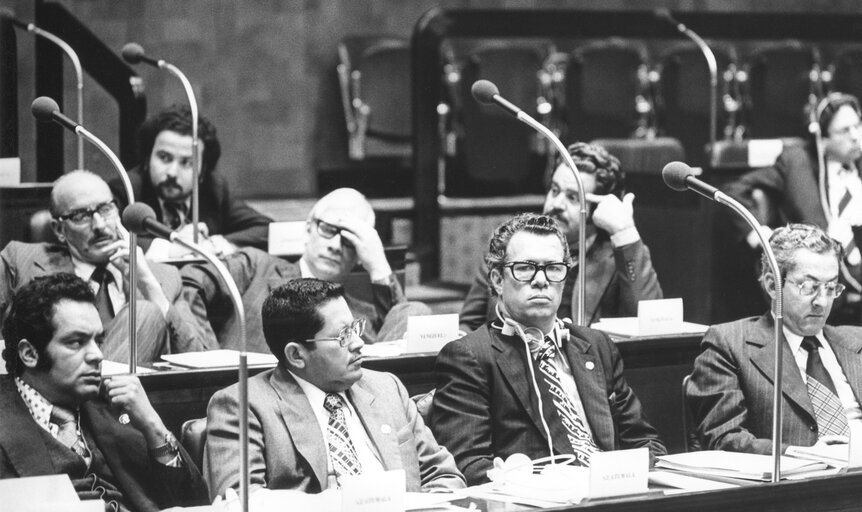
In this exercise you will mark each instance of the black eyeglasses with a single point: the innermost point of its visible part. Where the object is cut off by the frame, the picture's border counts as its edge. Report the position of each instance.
(525, 271)
(327, 230)
(83, 216)
(346, 334)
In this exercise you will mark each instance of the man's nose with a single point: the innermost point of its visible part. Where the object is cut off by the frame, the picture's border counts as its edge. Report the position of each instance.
(94, 353)
(540, 280)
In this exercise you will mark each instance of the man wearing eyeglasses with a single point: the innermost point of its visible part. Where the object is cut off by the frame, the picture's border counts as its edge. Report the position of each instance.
(731, 389)
(318, 417)
(525, 382)
(94, 246)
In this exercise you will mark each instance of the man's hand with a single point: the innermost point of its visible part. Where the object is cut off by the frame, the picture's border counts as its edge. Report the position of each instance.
(125, 394)
(611, 214)
(367, 243)
(149, 286)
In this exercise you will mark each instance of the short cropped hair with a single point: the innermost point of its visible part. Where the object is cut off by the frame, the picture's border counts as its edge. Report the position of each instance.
(178, 118)
(786, 240)
(291, 312)
(592, 159)
(528, 222)
(31, 315)
(828, 106)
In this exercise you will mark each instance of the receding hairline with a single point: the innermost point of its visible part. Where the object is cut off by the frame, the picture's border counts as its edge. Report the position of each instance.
(78, 177)
(344, 199)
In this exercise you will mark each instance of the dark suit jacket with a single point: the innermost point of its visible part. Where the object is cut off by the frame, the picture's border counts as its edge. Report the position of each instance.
(146, 484)
(730, 391)
(616, 280)
(287, 449)
(20, 262)
(485, 405)
(224, 215)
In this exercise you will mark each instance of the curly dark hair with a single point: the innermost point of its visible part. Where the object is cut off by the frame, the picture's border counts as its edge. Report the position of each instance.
(592, 159)
(178, 118)
(31, 315)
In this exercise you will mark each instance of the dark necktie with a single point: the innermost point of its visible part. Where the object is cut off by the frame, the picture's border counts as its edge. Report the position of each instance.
(579, 437)
(67, 430)
(177, 214)
(827, 407)
(342, 454)
(103, 278)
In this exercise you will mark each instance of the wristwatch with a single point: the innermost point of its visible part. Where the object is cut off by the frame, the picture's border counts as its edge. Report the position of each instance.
(168, 449)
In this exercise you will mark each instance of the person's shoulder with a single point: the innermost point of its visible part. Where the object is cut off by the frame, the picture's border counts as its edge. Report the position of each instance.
(744, 325)
(795, 152)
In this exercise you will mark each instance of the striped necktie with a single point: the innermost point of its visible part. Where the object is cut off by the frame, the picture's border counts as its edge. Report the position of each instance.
(67, 430)
(827, 407)
(342, 453)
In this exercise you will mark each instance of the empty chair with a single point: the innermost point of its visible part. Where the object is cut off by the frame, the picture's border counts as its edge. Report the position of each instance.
(683, 98)
(608, 91)
(374, 78)
(782, 79)
(496, 154)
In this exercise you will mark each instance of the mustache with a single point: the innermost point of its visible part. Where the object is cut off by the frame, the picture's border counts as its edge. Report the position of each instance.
(170, 181)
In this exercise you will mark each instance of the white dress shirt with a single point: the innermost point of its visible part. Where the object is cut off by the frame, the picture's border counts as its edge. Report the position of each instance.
(85, 270)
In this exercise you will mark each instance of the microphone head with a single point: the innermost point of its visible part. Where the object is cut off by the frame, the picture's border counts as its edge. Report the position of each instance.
(674, 175)
(133, 53)
(134, 216)
(484, 91)
(663, 14)
(44, 108)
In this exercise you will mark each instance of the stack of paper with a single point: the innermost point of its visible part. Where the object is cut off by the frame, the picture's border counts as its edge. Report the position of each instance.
(746, 466)
(217, 359)
(834, 454)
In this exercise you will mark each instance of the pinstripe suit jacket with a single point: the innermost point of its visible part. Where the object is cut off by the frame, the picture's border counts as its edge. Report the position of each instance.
(485, 406)
(730, 392)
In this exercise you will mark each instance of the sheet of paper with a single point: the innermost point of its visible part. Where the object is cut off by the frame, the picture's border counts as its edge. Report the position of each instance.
(119, 368)
(628, 326)
(217, 359)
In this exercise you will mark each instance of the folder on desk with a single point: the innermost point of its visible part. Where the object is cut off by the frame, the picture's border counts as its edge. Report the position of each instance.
(745, 466)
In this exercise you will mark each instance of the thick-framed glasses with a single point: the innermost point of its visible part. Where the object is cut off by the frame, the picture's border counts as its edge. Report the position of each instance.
(811, 288)
(83, 216)
(327, 230)
(346, 334)
(525, 271)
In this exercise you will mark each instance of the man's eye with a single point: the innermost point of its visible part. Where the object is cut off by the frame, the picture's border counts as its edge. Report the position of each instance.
(164, 157)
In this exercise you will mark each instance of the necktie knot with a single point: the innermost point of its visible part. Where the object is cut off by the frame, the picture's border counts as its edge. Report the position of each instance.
(810, 344)
(101, 275)
(547, 349)
(332, 402)
(177, 213)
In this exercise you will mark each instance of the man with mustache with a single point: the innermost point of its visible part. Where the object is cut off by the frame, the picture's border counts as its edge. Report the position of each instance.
(94, 245)
(318, 417)
(619, 269)
(525, 382)
(56, 421)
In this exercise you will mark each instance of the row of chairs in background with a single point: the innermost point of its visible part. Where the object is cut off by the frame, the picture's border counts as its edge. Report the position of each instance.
(601, 89)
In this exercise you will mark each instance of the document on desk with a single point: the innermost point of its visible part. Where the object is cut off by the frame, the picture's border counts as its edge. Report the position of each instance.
(630, 327)
(833, 454)
(217, 359)
(746, 466)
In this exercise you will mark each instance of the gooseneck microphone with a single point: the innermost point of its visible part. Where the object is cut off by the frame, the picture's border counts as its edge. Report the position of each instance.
(76, 63)
(140, 218)
(680, 177)
(133, 53)
(485, 92)
(46, 110)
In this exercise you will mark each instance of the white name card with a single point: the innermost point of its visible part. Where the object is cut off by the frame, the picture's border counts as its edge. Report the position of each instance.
(854, 455)
(374, 492)
(764, 152)
(662, 316)
(286, 238)
(48, 493)
(10, 171)
(618, 473)
(430, 332)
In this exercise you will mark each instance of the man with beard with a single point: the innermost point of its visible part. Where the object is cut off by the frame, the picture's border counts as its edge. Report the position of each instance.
(619, 270)
(94, 246)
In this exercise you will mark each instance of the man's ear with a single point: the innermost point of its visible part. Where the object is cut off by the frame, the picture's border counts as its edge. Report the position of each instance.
(57, 228)
(27, 354)
(294, 355)
(496, 278)
(769, 285)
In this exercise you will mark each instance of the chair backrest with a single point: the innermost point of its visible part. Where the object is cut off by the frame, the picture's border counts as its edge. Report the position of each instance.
(194, 439)
(424, 402)
(689, 428)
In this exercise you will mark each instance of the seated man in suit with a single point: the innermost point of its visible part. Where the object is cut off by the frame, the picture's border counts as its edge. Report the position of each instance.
(94, 246)
(339, 233)
(164, 178)
(486, 404)
(730, 391)
(619, 269)
(56, 421)
(318, 416)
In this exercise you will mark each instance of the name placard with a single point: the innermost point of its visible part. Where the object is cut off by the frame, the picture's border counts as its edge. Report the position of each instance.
(286, 238)
(10, 171)
(430, 332)
(374, 492)
(854, 451)
(662, 316)
(618, 473)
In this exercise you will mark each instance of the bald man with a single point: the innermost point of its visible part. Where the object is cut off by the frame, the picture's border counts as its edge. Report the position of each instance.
(339, 234)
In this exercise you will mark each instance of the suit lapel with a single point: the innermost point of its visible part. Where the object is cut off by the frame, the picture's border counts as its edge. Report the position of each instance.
(762, 353)
(375, 421)
(296, 412)
(600, 270)
(589, 378)
(22, 441)
(847, 352)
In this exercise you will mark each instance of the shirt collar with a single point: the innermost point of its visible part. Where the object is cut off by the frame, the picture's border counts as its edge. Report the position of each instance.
(84, 269)
(315, 395)
(795, 340)
(304, 269)
(39, 406)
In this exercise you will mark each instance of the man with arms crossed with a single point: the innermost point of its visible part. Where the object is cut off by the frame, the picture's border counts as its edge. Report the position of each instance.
(318, 416)
(730, 391)
(486, 402)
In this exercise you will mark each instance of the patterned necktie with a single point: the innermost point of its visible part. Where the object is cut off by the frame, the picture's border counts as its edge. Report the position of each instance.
(67, 430)
(177, 214)
(827, 407)
(579, 437)
(342, 454)
(103, 278)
